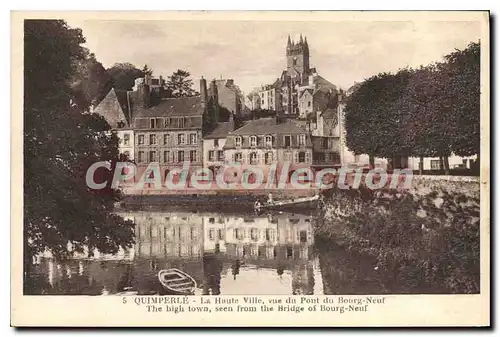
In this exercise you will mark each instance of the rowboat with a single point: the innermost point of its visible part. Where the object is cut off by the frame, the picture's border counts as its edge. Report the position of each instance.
(177, 282)
(307, 202)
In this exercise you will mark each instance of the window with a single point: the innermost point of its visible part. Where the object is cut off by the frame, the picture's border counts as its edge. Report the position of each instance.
(288, 156)
(238, 157)
(254, 234)
(211, 155)
(166, 156)
(288, 141)
(166, 139)
(294, 61)
(192, 138)
(181, 139)
(268, 157)
(141, 157)
(192, 155)
(211, 234)
(238, 141)
(302, 157)
(220, 155)
(152, 156)
(238, 234)
(309, 104)
(152, 123)
(152, 139)
(216, 142)
(302, 140)
(435, 165)
(269, 141)
(253, 141)
(126, 139)
(180, 156)
(140, 139)
(464, 163)
(325, 143)
(253, 158)
(181, 122)
(155, 81)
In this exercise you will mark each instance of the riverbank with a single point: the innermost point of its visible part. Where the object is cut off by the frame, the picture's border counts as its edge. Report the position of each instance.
(242, 200)
(423, 240)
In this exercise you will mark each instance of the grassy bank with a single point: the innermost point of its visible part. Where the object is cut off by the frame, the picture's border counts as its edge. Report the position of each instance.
(409, 242)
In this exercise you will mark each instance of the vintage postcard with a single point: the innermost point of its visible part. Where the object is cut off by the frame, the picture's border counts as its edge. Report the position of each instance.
(265, 169)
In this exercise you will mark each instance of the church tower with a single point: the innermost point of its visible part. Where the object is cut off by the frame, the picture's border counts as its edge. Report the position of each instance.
(297, 57)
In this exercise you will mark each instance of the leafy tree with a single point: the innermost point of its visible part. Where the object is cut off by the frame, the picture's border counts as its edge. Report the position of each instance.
(426, 108)
(373, 123)
(180, 85)
(463, 69)
(146, 70)
(91, 82)
(124, 75)
(60, 143)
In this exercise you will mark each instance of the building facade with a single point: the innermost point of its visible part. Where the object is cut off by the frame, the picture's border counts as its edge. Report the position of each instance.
(265, 142)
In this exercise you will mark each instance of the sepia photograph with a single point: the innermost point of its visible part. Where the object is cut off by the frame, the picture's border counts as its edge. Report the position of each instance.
(296, 162)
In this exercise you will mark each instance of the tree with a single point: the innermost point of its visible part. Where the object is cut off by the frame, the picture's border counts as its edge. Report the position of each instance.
(463, 68)
(180, 85)
(124, 75)
(373, 123)
(91, 82)
(427, 114)
(146, 70)
(60, 143)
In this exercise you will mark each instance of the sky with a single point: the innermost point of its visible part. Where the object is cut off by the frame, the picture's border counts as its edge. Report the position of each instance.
(253, 52)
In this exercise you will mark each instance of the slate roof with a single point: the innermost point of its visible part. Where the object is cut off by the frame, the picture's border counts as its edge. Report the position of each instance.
(114, 109)
(183, 106)
(329, 113)
(221, 131)
(267, 126)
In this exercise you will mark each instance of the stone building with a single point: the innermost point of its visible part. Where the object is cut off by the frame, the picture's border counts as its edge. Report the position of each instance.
(267, 141)
(213, 145)
(115, 108)
(167, 131)
(230, 96)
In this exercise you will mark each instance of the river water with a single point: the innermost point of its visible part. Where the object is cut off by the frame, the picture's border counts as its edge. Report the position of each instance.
(227, 253)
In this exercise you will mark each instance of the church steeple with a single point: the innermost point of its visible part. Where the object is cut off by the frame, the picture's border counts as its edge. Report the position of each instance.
(289, 43)
(301, 40)
(306, 46)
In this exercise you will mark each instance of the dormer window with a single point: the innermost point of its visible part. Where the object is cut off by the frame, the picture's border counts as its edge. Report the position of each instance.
(269, 141)
(302, 140)
(253, 141)
(238, 141)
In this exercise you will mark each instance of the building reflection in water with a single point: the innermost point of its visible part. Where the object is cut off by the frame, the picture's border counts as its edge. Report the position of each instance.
(215, 249)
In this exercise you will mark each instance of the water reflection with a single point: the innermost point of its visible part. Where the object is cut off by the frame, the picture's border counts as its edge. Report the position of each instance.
(225, 253)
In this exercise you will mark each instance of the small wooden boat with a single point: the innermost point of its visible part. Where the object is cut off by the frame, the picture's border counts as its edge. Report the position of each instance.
(308, 202)
(177, 282)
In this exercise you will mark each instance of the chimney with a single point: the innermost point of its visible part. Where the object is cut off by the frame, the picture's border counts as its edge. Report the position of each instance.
(203, 92)
(215, 101)
(231, 121)
(144, 94)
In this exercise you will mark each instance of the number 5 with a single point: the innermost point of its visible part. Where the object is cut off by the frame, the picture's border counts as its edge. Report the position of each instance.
(124, 300)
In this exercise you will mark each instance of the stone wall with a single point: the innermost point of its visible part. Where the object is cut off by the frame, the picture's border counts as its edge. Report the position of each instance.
(424, 239)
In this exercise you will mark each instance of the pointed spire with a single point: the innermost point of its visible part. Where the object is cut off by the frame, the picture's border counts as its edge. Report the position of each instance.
(306, 46)
(301, 40)
(289, 43)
